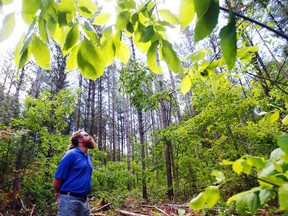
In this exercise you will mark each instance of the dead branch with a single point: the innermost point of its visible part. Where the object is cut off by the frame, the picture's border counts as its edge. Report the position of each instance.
(155, 207)
(98, 209)
(32, 210)
(186, 205)
(23, 205)
(126, 213)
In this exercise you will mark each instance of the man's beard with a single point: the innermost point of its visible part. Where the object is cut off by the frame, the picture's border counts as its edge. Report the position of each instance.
(90, 144)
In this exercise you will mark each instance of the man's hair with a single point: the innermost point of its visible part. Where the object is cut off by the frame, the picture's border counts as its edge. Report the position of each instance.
(74, 139)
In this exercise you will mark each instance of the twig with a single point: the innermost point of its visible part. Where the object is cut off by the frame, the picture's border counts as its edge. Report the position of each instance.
(102, 207)
(257, 23)
(129, 213)
(23, 205)
(32, 210)
(155, 207)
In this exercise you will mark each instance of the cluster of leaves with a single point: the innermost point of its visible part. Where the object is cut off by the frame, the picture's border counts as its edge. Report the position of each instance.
(271, 174)
(42, 127)
(91, 54)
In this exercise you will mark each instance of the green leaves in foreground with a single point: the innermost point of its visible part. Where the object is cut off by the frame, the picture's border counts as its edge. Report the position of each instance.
(210, 197)
(90, 60)
(228, 42)
(41, 53)
(207, 17)
(186, 13)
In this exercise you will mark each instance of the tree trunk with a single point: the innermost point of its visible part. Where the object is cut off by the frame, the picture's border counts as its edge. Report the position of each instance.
(142, 143)
(92, 122)
(78, 109)
(100, 114)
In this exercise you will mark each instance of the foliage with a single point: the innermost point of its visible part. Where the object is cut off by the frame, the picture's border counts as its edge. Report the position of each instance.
(42, 125)
(60, 21)
(271, 174)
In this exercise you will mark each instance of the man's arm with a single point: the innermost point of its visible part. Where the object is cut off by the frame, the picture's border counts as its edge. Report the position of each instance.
(56, 185)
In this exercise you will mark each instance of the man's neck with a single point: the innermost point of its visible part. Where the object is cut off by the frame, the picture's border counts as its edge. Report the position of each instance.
(83, 149)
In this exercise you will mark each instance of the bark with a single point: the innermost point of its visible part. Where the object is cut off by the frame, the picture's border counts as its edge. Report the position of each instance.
(167, 145)
(100, 114)
(88, 107)
(15, 104)
(78, 107)
(143, 164)
(128, 139)
(92, 122)
(172, 81)
(18, 165)
(36, 83)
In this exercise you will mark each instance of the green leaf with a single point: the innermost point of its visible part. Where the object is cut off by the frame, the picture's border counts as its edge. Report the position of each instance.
(186, 84)
(22, 52)
(283, 142)
(108, 50)
(198, 55)
(228, 42)
(247, 200)
(142, 46)
(6, 2)
(169, 17)
(72, 37)
(152, 58)
(29, 9)
(71, 63)
(66, 12)
(253, 202)
(276, 154)
(266, 194)
(207, 17)
(212, 194)
(122, 20)
(122, 52)
(186, 12)
(89, 31)
(283, 194)
(8, 25)
(275, 116)
(90, 60)
(147, 34)
(237, 166)
(198, 202)
(285, 120)
(41, 53)
(42, 29)
(255, 161)
(87, 8)
(101, 19)
(219, 176)
(170, 57)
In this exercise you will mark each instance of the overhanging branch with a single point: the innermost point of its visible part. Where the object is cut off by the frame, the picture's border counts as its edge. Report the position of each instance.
(257, 23)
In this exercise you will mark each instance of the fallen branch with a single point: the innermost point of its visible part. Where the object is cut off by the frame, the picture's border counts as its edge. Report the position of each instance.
(32, 210)
(155, 207)
(102, 207)
(129, 213)
(186, 205)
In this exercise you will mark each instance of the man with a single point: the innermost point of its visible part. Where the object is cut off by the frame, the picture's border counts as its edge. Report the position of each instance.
(72, 180)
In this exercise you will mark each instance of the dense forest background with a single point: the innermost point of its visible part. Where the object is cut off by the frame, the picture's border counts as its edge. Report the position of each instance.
(161, 138)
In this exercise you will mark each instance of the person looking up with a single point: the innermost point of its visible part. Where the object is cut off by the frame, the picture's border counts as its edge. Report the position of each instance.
(72, 179)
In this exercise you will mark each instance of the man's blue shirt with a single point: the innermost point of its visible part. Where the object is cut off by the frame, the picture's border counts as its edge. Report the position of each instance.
(75, 169)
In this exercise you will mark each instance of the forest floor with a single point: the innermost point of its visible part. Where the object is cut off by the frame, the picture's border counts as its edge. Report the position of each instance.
(166, 209)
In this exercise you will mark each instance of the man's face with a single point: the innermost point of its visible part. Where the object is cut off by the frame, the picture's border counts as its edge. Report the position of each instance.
(88, 141)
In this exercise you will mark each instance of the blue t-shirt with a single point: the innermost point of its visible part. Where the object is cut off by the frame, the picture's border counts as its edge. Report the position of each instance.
(75, 169)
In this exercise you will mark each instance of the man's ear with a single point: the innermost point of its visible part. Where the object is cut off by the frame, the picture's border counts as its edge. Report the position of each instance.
(80, 139)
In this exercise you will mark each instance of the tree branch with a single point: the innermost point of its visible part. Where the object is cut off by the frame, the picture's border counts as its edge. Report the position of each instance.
(257, 23)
